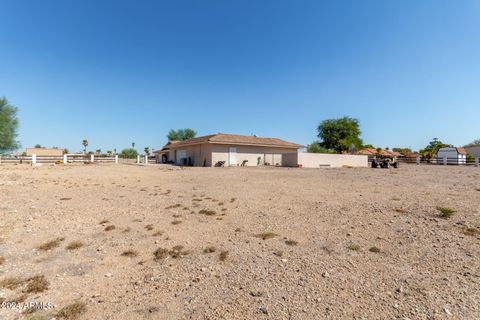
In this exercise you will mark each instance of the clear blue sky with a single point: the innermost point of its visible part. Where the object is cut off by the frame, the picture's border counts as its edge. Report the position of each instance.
(117, 72)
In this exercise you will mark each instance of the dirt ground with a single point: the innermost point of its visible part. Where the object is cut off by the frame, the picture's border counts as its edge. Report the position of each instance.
(134, 242)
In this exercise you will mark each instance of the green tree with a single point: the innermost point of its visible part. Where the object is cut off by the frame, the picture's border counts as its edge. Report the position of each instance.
(38, 146)
(403, 151)
(65, 151)
(85, 145)
(147, 151)
(181, 134)
(8, 126)
(129, 153)
(431, 150)
(315, 147)
(341, 134)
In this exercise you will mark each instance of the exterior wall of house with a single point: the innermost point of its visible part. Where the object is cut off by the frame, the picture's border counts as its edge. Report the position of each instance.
(317, 160)
(474, 151)
(270, 155)
(44, 152)
(198, 154)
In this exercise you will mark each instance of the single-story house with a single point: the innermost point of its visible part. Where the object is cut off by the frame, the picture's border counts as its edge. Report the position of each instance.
(236, 150)
(45, 152)
(453, 155)
(226, 150)
(474, 151)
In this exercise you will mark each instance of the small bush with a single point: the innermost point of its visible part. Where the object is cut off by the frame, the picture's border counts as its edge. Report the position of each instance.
(446, 212)
(374, 250)
(157, 234)
(291, 242)
(149, 227)
(36, 284)
(266, 235)
(104, 221)
(11, 283)
(160, 254)
(74, 245)
(471, 232)
(209, 250)
(223, 255)
(110, 228)
(129, 253)
(354, 247)
(2, 260)
(51, 244)
(72, 311)
(175, 222)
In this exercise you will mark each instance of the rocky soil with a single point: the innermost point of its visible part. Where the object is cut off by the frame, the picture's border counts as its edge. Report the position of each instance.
(133, 242)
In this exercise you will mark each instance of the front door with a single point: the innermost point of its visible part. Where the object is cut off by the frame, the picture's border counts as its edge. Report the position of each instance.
(232, 156)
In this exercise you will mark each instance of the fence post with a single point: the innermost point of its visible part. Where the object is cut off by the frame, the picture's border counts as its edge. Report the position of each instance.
(476, 162)
(65, 159)
(92, 158)
(445, 161)
(34, 159)
(116, 158)
(418, 159)
(146, 159)
(138, 159)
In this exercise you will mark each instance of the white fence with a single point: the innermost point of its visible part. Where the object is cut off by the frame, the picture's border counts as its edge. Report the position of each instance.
(65, 159)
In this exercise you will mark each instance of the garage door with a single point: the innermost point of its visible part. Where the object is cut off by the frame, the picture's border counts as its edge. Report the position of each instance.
(180, 157)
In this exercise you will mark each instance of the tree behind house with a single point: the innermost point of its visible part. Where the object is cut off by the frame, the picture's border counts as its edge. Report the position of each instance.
(340, 135)
(181, 134)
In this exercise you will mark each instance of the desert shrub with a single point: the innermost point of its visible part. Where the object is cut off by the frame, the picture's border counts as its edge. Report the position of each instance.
(51, 244)
(223, 255)
(72, 311)
(74, 245)
(374, 249)
(129, 253)
(354, 247)
(209, 249)
(446, 212)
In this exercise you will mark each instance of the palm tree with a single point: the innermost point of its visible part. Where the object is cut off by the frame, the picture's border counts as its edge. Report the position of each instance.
(133, 145)
(85, 144)
(147, 151)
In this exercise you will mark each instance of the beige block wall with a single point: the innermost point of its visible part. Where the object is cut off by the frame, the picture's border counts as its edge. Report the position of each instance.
(45, 152)
(250, 153)
(317, 160)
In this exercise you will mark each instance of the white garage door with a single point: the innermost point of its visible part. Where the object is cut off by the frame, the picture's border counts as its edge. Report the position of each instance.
(181, 155)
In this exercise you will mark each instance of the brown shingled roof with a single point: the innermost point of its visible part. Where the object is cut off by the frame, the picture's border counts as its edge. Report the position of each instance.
(222, 138)
(461, 151)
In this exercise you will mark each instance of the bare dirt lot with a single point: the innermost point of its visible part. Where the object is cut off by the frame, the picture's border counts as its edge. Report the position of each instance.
(131, 242)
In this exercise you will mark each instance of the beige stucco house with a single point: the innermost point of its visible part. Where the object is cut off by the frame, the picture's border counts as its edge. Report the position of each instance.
(226, 150)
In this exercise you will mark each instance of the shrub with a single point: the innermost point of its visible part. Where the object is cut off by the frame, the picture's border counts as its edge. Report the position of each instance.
(354, 247)
(446, 212)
